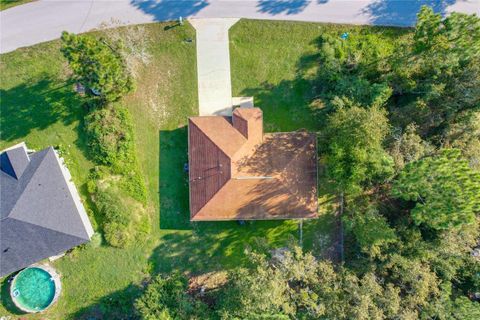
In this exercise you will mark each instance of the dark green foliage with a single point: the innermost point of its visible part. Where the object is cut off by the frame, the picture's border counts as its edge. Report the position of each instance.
(98, 65)
(166, 298)
(256, 293)
(445, 189)
(371, 231)
(409, 147)
(122, 218)
(428, 79)
(350, 68)
(464, 134)
(110, 138)
(437, 76)
(116, 218)
(355, 156)
(110, 134)
(297, 286)
(465, 309)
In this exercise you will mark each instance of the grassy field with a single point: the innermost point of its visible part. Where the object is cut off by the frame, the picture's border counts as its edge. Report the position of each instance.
(270, 61)
(5, 4)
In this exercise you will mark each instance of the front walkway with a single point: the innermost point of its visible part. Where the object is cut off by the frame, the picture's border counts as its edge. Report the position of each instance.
(213, 66)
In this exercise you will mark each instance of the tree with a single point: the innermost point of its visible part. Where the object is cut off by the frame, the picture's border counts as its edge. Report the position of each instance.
(166, 298)
(445, 189)
(436, 76)
(418, 285)
(371, 231)
(98, 65)
(258, 292)
(464, 309)
(464, 134)
(409, 147)
(297, 286)
(355, 156)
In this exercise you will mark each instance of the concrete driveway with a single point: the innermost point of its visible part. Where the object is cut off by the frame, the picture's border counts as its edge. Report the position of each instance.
(44, 20)
(213, 65)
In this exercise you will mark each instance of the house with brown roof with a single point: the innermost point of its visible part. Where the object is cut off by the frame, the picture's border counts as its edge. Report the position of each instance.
(236, 172)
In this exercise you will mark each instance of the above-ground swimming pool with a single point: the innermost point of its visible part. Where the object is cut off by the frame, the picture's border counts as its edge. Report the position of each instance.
(34, 289)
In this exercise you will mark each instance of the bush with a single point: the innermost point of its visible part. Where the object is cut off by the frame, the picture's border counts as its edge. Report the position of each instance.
(110, 138)
(109, 134)
(96, 240)
(166, 298)
(116, 219)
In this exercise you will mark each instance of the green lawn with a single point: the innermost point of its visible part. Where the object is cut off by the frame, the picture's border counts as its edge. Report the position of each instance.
(5, 4)
(38, 106)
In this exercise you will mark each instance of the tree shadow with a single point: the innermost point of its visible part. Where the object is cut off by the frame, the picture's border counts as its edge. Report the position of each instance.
(288, 7)
(36, 106)
(402, 13)
(213, 246)
(162, 10)
(289, 160)
(117, 305)
(6, 299)
(287, 105)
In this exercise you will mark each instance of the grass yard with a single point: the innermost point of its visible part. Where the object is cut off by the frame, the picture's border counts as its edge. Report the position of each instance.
(5, 4)
(271, 61)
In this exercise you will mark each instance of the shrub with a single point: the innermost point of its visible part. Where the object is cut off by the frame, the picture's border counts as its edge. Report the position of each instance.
(166, 298)
(116, 219)
(110, 138)
(96, 240)
(109, 134)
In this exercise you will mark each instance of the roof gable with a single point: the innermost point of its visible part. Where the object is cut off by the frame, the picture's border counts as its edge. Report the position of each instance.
(14, 161)
(221, 132)
(46, 202)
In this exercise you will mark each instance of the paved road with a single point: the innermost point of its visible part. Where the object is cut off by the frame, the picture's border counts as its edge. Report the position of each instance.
(44, 20)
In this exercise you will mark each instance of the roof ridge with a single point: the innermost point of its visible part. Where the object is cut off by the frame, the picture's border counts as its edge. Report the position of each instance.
(29, 179)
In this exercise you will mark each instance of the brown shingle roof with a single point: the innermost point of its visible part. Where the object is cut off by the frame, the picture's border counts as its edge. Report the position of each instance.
(272, 176)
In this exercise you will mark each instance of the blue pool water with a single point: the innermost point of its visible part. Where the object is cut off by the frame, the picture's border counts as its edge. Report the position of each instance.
(33, 289)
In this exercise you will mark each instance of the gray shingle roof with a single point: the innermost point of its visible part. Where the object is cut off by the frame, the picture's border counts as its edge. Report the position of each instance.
(41, 214)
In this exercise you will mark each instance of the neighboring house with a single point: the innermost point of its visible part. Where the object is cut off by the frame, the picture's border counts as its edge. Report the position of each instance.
(41, 213)
(238, 173)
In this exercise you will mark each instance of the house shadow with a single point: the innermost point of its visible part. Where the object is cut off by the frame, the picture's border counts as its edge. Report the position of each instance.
(173, 180)
(163, 10)
(118, 305)
(28, 107)
(402, 13)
